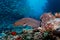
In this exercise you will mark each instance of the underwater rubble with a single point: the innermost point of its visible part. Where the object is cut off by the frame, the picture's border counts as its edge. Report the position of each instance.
(30, 29)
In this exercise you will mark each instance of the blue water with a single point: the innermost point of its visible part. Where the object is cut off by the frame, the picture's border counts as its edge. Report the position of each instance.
(13, 10)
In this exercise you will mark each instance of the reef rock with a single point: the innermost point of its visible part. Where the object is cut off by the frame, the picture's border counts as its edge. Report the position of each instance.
(55, 23)
(50, 21)
(28, 21)
(45, 18)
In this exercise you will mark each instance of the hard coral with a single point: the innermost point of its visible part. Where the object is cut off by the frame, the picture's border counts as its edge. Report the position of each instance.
(28, 21)
(45, 18)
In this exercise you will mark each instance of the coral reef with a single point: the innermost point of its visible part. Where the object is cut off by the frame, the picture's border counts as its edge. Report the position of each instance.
(30, 29)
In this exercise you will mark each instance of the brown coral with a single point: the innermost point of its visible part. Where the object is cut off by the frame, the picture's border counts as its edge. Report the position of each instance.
(27, 21)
